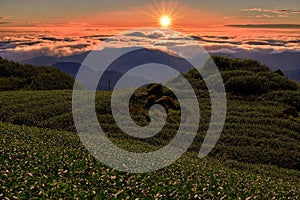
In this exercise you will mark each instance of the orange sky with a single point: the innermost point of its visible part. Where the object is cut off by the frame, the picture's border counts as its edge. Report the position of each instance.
(62, 27)
(128, 14)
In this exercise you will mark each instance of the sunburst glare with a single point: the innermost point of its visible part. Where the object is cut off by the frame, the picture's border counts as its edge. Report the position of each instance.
(163, 13)
(165, 21)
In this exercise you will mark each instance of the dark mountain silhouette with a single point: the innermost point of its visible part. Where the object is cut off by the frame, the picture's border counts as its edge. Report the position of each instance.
(286, 61)
(50, 60)
(106, 83)
(141, 57)
(122, 65)
(295, 75)
(70, 68)
(41, 61)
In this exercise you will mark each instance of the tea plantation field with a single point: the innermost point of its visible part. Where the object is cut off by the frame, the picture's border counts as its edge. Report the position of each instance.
(45, 163)
(256, 157)
(252, 133)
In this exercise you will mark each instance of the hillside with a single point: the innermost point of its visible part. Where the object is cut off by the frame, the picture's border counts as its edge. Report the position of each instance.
(40, 163)
(15, 76)
(285, 61)
(244, 78)
(258, 128)
(257, 155)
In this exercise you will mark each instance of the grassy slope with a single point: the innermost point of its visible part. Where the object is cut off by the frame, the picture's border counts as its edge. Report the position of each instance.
(252, 133)
(50, 164)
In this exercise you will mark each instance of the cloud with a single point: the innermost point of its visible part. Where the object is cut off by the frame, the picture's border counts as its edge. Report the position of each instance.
(136, 34)
(25, 46)
(224, 40)
(5, 23)
(3, 20)
(294, 41)
(57, 39)
(220, 37)
(271, 13)
(151, 35)
(288, 26)
(168, 44)
(28, 43)
(262, 43)
(77, 46)
(265, 16)
(21, 46)
(277, 11)
(97, 36)
(6, 45)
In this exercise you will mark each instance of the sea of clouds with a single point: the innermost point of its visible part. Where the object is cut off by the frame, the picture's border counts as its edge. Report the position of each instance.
(19, 46)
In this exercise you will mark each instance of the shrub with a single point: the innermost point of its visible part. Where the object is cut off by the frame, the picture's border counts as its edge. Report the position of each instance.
(225, 63)
(277, 82)
(11, 83)
(290, 98)
(247, 85)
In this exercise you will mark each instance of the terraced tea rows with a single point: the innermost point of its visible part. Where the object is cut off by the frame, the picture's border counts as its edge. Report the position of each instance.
(252, 132)
(40, 163)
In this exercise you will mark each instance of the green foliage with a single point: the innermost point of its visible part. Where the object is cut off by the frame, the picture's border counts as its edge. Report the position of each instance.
(291, 98)
(15, 76)
(247, 85)
(11, 83)
(228, 64)
(48, 164)
(226, 75)
(250, 125)
(254, 149)
(259, 83)
(242, 77)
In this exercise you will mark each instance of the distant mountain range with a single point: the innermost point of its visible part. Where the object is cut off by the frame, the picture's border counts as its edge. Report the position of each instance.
(120, 66)
(295, 75)
(50, 60)
(288, 62)
(70, 68)
(106, 82)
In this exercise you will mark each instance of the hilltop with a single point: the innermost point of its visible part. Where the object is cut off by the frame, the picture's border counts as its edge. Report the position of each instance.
(16, 76)
(246, 77)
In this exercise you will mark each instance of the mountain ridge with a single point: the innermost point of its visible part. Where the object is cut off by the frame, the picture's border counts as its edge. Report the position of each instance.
(285, 61)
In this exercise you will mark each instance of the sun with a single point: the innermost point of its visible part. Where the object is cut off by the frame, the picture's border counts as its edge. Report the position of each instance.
(164, 13)
(165, 21)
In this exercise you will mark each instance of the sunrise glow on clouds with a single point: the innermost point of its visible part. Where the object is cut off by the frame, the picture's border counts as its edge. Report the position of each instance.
(37, 44)
(59, 28)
